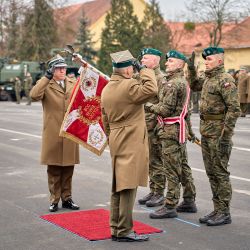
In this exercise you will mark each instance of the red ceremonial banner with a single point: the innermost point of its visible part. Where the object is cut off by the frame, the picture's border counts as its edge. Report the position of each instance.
(82, 122)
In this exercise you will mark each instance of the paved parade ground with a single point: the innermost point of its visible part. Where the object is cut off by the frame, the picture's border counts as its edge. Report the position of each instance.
(24, 193)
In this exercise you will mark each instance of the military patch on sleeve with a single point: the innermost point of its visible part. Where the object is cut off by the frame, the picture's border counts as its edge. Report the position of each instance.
(227, 84)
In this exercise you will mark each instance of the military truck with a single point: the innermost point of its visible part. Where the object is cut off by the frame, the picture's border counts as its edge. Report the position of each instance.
(9, 71)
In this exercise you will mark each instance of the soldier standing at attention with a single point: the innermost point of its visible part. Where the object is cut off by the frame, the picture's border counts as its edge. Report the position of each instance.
(58, 153)
(171, 112)
(219, 110)
(157, 179)
(27, 87)
(124, 123)
(18, 89)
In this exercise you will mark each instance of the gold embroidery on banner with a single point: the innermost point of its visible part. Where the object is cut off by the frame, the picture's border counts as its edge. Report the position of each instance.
(88, 112)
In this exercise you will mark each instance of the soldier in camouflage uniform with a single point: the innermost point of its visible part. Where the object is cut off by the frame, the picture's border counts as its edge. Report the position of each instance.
(219, 110)
(171, 111)
(157, 180)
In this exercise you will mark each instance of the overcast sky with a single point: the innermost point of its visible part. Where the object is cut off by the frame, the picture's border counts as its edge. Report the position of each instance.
(171, 9)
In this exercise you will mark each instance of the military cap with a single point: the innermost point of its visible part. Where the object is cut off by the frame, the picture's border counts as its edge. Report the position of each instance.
(212, 51)
(122, 59)
(176, 54)
(56, 62)
(151, 51)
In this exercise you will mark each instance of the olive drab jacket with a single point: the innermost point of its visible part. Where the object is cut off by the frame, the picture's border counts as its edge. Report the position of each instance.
(28, 83)
(219, 96)
(124, 123)
(56, 150)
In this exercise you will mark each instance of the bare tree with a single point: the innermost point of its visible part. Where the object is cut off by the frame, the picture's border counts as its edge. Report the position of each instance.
(3, 26)
(216, 13)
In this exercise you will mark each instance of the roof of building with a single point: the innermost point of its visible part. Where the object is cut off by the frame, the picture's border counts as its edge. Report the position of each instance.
(234, 35)
(68, 17)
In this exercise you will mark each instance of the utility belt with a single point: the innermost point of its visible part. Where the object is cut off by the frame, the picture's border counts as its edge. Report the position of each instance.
(210, 117)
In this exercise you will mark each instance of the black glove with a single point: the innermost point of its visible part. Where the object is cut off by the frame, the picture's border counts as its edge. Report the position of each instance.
(136, 65)
(49, 73)
(224, 145)
(190, 61)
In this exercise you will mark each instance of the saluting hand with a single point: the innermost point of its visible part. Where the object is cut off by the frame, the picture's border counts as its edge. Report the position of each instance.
(190, 61)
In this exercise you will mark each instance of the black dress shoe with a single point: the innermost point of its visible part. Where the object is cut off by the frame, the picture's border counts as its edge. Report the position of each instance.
(133, 237)
(70, 205)
(53, 207)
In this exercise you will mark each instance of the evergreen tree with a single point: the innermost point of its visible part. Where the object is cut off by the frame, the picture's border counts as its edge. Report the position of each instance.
(122, 31)
(39, 34)
(156, 33)
(84, 42)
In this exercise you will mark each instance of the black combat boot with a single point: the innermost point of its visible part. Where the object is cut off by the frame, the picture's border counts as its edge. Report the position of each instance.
(146, 198)
(163, 212)
(156, 200)
(207, 217)
(187, 207)
(220, 219)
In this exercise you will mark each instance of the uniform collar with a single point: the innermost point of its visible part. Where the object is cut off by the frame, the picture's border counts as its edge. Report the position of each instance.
(173, 74)
(215, 71)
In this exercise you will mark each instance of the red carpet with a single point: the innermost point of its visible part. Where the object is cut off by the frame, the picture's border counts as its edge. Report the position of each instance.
(92, 224)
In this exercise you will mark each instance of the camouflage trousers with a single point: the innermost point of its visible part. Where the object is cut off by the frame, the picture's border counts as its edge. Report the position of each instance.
(216, 165)
(157, 178)
(178, 172)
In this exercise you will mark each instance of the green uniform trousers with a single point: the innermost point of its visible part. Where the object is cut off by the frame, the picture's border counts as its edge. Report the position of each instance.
(60, 182)
(178, 172)
(187, 181)
(18, 95)
(157, 178)
(121, 209)
(27, 94)
(216, 165)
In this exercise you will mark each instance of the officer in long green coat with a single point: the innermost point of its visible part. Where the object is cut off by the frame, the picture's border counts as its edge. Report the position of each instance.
(219, 110)
(171, 111)
(151, 57)
(123, 118)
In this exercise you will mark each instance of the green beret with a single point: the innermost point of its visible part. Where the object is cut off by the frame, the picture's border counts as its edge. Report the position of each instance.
(176, 54)
(212, 51)
(151, 51)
